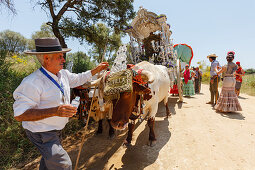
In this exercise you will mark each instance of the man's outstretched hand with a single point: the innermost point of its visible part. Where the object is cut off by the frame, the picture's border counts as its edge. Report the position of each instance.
(99, 68)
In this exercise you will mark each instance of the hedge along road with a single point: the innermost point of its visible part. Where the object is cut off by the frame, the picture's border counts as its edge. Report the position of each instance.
(195, 137)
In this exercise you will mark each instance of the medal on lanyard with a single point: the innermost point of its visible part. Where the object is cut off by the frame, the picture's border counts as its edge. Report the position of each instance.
(63, 96)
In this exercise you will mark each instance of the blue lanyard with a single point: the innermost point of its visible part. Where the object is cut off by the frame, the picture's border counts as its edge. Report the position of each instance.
(54, 81)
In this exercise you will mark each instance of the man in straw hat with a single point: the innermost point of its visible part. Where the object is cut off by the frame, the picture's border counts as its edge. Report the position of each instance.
(42, 101)
(214, 79)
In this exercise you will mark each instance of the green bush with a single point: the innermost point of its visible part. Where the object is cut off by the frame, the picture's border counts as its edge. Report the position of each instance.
(206, 77)
(13, 143)
(81, 62)
(250, 71)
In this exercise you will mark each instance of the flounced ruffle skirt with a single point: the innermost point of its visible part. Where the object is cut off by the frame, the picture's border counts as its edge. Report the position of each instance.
(228, 101)
(188, 89)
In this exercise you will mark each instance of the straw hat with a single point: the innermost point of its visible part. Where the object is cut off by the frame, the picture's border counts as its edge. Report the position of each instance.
(47, 46)
(212, 55)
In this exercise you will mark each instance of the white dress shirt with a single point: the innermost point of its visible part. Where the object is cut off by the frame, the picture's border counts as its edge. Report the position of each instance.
(38, 92)
(214, 65)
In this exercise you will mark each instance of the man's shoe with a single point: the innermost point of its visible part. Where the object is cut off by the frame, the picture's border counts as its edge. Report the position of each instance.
(209, 103)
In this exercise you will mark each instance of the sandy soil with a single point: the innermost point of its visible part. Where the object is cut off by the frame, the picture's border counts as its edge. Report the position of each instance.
(195, 137)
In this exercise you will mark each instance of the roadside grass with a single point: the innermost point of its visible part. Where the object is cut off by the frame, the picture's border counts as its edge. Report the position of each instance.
(248, 85)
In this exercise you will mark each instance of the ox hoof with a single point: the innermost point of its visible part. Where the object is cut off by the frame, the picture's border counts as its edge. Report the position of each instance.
(151, 143)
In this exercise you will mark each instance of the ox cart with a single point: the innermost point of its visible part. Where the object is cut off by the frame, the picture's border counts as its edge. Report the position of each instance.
(150, 41)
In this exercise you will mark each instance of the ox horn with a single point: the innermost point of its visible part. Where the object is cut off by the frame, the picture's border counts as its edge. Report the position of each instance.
(95, 82)
(92, 84)
(147, 76)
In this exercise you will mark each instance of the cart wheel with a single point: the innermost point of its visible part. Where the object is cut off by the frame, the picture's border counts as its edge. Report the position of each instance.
(179, 80)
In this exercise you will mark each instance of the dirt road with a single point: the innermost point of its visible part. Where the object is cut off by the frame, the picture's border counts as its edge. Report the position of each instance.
(195, 137)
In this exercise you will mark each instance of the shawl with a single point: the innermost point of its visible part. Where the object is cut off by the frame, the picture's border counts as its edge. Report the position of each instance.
(186, 76)
(239, 78)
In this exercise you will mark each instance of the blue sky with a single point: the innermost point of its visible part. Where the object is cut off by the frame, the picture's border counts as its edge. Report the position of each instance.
(208, 26)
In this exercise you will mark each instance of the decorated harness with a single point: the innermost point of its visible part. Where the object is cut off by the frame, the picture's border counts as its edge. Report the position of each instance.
(122, 81)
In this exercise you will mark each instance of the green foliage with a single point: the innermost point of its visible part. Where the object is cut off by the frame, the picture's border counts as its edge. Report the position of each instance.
(206, 77)
(12, 42)
(104, 42)
(206, 71)
(81, 62)
(46, 31)
(14, 145)
(250, 71)
(248, 85)
(84, 14)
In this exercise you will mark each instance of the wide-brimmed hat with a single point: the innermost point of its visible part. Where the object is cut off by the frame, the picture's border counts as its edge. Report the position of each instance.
(212, 55)
(47, 46)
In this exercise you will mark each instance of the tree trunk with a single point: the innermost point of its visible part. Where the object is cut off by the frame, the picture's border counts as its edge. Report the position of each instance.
(57, 33)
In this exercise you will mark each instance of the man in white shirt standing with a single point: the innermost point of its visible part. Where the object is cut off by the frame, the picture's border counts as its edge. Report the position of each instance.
(42, 101)
(214, 79)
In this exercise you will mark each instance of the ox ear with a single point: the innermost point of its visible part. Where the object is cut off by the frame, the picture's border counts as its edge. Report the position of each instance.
(142, 90)
(147, 76)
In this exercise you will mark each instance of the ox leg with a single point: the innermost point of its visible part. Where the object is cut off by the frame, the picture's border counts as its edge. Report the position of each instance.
(100, 127)
(167, 109)
(111, 130)
(131, 127)
(152, 138)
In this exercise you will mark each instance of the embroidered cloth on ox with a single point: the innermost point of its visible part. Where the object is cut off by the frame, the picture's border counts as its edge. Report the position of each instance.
(118, 83)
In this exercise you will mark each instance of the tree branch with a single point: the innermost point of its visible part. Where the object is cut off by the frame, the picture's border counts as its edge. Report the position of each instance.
(51, 8)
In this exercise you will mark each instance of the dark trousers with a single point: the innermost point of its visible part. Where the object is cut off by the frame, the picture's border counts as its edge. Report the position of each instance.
(54, 157)
(197, 84)
(214, 90)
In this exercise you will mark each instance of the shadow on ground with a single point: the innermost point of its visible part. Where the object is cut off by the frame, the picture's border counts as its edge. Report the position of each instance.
(233, 115)
(139, 156)
(98, 149)
(244, 98)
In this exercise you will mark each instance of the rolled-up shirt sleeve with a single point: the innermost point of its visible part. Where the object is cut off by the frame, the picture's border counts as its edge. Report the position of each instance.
(26, 96)
(78, 79)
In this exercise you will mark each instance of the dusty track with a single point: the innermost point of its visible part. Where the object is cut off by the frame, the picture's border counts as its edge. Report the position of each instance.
(195, 137)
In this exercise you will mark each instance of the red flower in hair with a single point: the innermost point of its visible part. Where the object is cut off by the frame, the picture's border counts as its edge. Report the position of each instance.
(231, 52)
